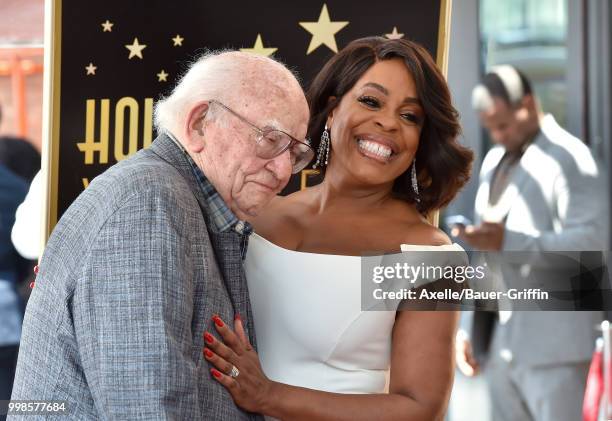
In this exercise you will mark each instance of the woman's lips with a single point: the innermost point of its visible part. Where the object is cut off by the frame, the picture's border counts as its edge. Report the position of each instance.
(376, 150)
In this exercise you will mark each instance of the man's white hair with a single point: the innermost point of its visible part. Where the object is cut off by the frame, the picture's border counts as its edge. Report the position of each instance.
(482, 100)
(221, 75)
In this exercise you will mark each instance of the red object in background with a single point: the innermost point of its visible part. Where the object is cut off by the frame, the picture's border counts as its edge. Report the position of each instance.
(35, 274)
(607, 370)
(594, 387)
(18, 63)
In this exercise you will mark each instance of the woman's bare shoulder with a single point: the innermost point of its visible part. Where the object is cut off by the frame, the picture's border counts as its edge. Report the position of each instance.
(270, 215)
(280, 220)
(410, 227)
(423, 233)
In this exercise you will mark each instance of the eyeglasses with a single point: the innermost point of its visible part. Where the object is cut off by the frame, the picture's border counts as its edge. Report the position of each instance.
(273, 142)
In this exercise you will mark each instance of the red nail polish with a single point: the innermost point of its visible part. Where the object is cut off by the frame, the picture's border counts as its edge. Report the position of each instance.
(218, 321)
(32, 284)
(36, 270)
(237, 317)
(215, 373)
(208, 353)
(208, 337)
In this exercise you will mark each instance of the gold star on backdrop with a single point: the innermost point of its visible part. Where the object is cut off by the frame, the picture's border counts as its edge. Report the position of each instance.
(178, 40)
(107, 26)
(258, 48)
(135, 49)
(394, 34)
(323, 31)
(91, 69)
(162, 76)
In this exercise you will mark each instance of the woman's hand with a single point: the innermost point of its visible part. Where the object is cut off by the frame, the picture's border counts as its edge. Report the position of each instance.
(250, 388)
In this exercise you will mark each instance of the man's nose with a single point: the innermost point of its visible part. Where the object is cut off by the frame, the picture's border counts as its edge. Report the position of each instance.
(498, 136)
(281, 167)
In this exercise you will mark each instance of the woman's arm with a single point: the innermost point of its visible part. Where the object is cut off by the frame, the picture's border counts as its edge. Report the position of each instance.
(422, 368)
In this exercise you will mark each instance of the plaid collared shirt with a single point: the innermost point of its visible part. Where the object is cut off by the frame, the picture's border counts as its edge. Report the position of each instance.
(223, 218)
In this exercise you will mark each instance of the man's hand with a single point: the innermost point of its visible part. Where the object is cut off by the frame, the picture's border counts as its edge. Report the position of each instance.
(487, 237)
(464, 355)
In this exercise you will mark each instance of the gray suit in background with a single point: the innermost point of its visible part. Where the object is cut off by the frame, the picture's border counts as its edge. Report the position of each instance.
(128, 284)
(553, 203)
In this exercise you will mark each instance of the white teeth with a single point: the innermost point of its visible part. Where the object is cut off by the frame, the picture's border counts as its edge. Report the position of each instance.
(375, 148)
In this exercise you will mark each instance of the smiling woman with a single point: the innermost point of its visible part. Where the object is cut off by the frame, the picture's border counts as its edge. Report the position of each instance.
(443, 164)
(375, 127)
(376, 107)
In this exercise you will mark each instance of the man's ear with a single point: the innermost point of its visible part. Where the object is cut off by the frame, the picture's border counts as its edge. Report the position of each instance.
(194, 127)
(527, 107)
(528, 101)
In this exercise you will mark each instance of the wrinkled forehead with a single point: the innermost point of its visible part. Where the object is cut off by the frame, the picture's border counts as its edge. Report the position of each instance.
(275, 107)
(288, 118)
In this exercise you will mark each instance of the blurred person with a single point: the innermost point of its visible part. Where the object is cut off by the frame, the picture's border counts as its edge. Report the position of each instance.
(27, 233)
(18, 160)
(20, 156)
(23, 159)
(540, 190)
(386, 133)
(143, 258)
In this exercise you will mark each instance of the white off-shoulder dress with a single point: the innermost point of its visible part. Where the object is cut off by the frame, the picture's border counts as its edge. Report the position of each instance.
(311, 330)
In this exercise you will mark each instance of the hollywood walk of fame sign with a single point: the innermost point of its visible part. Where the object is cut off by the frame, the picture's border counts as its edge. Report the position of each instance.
(107, 62)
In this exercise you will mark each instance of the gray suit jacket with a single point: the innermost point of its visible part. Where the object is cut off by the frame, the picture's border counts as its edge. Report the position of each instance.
(128, 283)
(553, 203)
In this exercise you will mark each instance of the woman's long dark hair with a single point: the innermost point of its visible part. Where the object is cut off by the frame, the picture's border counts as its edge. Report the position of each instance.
(443, 165)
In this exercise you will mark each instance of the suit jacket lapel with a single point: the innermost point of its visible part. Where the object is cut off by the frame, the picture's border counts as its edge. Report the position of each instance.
(230, 245)
(499, 211)
(227, 246)
(482, 196)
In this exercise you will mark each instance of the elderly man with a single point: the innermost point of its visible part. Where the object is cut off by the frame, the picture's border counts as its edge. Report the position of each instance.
(145, 257)
(540, 191)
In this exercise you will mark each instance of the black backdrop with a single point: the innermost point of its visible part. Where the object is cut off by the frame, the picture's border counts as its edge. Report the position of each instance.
(127, 87)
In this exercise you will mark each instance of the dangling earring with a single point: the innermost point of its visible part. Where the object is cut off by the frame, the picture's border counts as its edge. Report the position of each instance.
(323, 150)
(415, 184)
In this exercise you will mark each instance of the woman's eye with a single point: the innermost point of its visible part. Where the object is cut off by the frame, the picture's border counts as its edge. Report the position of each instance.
(411, 118)
(369, 101)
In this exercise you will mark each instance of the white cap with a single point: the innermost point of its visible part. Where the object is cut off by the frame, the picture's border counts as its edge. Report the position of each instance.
(481, 98)
(511, 80)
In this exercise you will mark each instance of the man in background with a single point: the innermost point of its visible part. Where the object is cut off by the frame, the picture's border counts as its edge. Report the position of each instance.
(540, 190)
